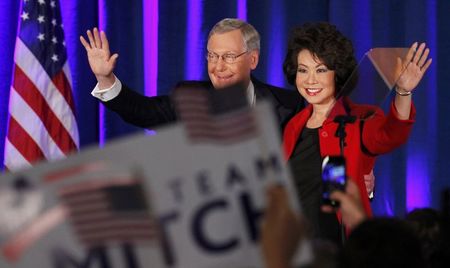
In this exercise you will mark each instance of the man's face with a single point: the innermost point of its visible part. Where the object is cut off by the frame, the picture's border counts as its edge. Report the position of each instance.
(224, 74)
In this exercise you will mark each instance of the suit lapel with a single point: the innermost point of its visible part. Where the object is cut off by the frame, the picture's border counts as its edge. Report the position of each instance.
(261, 90)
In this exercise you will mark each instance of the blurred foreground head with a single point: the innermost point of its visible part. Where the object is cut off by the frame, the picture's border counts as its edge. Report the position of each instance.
(382, 242)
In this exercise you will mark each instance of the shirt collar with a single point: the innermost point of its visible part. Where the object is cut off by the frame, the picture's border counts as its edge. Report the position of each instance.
(251, 94)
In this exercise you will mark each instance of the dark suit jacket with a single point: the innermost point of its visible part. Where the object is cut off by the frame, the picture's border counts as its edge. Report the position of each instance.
(149, 112)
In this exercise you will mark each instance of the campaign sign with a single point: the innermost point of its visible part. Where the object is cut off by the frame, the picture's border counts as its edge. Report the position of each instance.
(74, 214)
(181, 198)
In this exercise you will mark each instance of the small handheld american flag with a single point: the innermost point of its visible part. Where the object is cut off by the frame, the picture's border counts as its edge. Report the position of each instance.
(113, 210)
(215, 116)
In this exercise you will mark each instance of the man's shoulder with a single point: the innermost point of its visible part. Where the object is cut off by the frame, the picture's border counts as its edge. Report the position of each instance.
(286, 97)
(193, 84)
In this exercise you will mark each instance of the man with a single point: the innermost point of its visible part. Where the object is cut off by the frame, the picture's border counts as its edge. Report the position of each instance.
(232, 53)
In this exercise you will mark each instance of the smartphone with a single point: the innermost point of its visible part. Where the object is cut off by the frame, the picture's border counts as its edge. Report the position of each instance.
(334, 177)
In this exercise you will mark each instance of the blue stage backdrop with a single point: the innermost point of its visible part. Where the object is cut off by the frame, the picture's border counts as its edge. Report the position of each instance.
(162, 42)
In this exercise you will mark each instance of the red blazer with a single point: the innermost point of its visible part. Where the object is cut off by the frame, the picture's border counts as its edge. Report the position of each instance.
(372, 133)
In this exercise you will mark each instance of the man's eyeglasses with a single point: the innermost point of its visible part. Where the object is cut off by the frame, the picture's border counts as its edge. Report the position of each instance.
(227, 57)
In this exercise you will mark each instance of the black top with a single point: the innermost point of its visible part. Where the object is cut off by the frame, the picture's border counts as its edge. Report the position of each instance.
(306, 167)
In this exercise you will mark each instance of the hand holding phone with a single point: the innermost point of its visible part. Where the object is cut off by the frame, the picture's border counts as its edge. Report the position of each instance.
(334, 177)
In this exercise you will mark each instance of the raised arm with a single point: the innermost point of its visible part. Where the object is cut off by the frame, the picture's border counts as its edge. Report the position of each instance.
(100, 60)
(410, 71)
(382, 134)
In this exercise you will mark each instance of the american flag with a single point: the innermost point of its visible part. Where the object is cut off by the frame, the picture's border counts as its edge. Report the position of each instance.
(215, 116)
(113, 210)
(42, 122)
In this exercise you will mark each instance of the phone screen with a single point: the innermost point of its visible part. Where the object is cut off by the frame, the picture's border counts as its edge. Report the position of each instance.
(333, 178)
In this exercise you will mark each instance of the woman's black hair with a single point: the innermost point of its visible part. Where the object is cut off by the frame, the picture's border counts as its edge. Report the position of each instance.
(326, 43)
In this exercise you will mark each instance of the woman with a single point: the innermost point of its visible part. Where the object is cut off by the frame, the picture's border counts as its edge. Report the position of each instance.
(318, 62)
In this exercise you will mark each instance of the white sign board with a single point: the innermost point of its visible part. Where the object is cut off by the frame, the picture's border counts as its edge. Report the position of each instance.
(208, 199)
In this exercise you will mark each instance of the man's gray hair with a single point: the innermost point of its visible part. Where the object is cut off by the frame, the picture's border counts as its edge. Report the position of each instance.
(249, 33)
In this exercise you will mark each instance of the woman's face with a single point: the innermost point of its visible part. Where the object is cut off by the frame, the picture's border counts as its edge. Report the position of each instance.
(314, 80)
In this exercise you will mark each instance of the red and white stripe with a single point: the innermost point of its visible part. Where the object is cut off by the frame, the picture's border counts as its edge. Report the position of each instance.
(42, 122)
(202, 126)
(96, 220)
